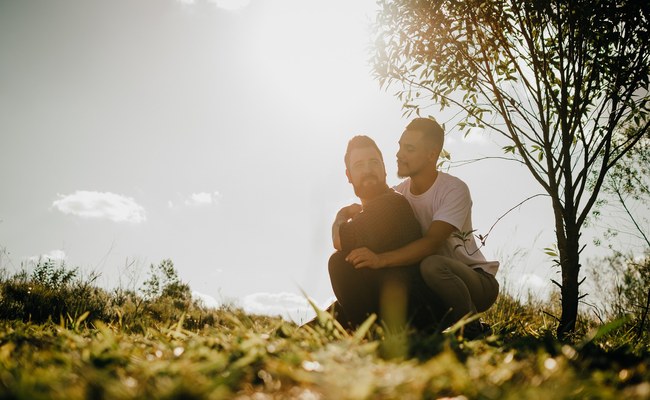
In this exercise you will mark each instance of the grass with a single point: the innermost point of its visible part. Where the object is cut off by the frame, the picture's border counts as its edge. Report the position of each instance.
(265, 358)
(170, 349)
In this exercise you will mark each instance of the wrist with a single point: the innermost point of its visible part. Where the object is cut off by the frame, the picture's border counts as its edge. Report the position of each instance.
(382, 261)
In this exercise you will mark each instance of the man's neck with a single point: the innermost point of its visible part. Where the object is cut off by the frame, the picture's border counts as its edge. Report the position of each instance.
(365, 201)
(421, 182)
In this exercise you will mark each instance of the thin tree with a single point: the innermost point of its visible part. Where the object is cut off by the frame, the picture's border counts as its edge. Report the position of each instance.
(565, 81)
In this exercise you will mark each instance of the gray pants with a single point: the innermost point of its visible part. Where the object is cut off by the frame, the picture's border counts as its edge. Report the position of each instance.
(462, 289)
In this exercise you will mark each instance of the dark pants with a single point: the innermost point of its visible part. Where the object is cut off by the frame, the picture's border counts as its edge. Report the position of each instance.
(463, 290)
(395, 295)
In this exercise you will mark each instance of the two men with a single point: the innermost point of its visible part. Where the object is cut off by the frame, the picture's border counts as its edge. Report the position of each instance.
(384, 221)
(452, 278)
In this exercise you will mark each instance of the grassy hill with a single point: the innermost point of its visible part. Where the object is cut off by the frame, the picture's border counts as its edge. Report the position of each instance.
(124, 345)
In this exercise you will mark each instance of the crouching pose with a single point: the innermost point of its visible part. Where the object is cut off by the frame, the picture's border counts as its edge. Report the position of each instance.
(450, 261)
(383, 222)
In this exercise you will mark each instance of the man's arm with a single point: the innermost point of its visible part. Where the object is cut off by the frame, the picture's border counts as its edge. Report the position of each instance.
(342, 217)
(386, 223)
(410, 254)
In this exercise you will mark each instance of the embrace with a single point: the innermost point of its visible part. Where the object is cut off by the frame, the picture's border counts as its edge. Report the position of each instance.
(401, 253)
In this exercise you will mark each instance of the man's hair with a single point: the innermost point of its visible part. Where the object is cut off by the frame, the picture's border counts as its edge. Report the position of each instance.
(432, 131)
(358, 142)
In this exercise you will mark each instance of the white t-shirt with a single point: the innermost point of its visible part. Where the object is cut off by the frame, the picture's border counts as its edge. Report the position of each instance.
(449, 200)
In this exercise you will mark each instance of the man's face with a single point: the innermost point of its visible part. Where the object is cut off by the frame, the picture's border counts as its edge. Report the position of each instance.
(366, 172)
(414, 154)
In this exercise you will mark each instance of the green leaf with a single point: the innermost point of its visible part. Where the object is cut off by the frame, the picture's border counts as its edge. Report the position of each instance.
(361, 332)
(82, 318)
(605, 329)
(550, 251)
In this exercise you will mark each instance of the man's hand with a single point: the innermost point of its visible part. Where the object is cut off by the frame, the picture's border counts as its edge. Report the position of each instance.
(365, 258)
(342, 217)
(348, 212)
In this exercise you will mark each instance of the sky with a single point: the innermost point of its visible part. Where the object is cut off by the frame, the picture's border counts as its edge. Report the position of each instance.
(212, 133)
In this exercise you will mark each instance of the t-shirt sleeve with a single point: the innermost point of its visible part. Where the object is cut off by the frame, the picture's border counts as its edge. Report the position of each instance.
(455, 206)
(349, 237)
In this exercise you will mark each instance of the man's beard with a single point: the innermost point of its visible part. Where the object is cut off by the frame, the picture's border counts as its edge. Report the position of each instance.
(367, 191)
(406, 173)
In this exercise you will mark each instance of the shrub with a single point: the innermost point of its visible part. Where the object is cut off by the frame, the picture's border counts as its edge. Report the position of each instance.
(55, 292)
(623, 282)
(51, 292)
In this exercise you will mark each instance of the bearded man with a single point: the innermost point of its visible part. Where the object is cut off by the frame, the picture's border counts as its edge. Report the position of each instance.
(384, 221)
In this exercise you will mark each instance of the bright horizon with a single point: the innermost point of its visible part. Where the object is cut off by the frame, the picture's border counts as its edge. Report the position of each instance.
(212, 133)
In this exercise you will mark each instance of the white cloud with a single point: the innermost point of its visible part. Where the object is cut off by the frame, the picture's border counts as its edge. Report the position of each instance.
(290, 306)
(476, 136)
(533, 285)
(87, 204)
(201, 199)
(54, 255)
(206, 299)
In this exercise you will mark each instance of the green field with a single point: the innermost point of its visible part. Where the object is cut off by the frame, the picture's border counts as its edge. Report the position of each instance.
(166, 346)
(242, 356)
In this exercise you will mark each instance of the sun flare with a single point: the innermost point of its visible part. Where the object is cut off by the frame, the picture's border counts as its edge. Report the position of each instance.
(231, 4)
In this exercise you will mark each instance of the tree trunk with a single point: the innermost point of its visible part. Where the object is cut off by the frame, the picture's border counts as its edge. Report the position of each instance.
(569, 249)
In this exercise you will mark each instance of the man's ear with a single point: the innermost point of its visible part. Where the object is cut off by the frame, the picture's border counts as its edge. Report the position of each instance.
(347, 173)
(434, 154)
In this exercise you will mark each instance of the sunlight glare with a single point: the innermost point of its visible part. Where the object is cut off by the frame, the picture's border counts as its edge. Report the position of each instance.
(231, 4)
(310, 69)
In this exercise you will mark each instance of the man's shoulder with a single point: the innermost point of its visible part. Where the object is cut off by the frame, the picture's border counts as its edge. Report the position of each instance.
(392, 196)
(447, 177)
(403, 186)
(388, 203)
(451, 181)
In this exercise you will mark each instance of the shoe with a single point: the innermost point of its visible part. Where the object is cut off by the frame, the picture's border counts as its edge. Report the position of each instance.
(476, 330)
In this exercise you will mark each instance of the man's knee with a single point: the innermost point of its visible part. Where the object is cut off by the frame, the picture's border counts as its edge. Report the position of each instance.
(433, 267)
(433, 262)
(337, 264)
